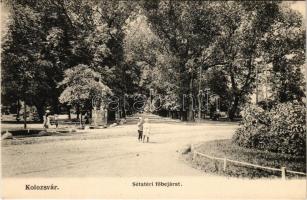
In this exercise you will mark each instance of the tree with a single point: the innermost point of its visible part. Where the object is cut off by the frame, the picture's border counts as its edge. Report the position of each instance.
(243, 27)
(81, 85)
(216, 79)
(45, 38)
(152, 66)
(165, 46)
(284, 55)
(114, 69)
(23, 65)
(186, 28)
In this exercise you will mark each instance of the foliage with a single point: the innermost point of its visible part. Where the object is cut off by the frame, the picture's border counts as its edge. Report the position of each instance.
(288, 129)
(140, 46)
(152, 63)
(281, 129)
(254, 128)
(216, 80)
(239, 38)
(82, 85)
(161, 45)
(284, 48)
(115, 71)
(24, 67)
(243, 27)
(185, 29)
(41, 43)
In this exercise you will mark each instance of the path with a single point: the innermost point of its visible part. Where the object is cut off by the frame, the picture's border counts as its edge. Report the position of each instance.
(120, 156)
(116, 153)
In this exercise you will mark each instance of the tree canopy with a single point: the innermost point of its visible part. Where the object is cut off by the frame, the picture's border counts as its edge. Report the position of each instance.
(81, 84)
(57, 52)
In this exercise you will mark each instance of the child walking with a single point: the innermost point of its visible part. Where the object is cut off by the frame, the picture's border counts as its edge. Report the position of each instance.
(140, 128)
(146, 130)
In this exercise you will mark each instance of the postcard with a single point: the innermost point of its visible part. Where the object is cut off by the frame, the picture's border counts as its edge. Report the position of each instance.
(153, 99)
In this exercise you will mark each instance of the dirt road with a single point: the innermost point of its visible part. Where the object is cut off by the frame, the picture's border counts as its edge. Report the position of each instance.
(116, 153)
(119, 154)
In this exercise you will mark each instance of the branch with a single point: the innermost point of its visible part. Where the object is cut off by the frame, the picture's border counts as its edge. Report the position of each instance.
(61, 5)
(216, 64)
(248, 78)
(233, 82)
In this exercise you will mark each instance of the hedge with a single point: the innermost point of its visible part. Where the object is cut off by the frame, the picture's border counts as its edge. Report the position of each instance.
(281, 129)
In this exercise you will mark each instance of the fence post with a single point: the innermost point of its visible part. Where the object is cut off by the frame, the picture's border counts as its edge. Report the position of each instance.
(193, 152)
(283, 173)
(216, 166)
(225, 164)
(194, 155)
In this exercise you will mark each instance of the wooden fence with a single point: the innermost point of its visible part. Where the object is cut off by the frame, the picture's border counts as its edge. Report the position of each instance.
(225, 160)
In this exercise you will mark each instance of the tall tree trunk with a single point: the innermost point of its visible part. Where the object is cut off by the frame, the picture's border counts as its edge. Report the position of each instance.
(190, 112)
(40, 112)
(18, 110)
(123, 112)
(78, 111)
(81, 120)
(56, 105)
(106, 116)
(233, 108)
(69, 114)
(117, 115)
(191, 106)
(183, 115)
(178, 114)
(25, 116)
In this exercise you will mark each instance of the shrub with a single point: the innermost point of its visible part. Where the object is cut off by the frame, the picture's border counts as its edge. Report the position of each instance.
(288, 129)
(253, 128)
(282, 129)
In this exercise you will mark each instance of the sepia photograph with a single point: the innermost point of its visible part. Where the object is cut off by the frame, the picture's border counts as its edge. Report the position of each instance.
(153, 99)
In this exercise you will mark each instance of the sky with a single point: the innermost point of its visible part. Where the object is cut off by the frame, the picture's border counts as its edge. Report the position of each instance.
(300, 6)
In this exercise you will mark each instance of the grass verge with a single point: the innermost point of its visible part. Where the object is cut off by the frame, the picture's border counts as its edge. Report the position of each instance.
(225, 148)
